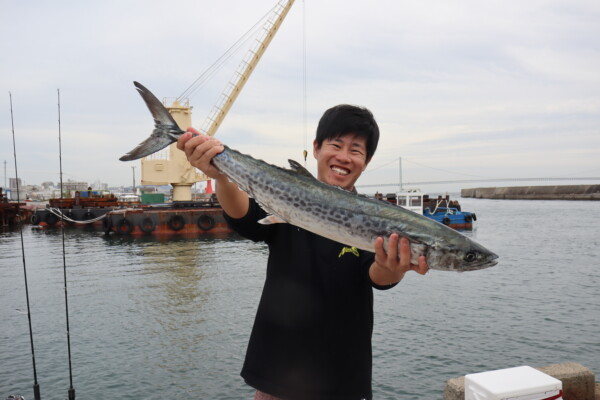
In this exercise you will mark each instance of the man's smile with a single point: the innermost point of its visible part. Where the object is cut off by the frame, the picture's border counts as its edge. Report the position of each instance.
(340, 170)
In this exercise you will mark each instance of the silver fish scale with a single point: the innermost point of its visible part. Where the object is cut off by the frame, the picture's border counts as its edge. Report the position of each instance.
(344, 217)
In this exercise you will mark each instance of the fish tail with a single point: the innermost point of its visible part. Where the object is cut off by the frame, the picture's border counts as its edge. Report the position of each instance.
(166, 130)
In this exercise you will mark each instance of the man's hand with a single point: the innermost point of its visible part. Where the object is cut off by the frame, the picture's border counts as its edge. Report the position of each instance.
(200, 150)
(389, 267)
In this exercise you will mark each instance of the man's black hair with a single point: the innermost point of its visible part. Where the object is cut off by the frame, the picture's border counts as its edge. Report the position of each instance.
(343, 119)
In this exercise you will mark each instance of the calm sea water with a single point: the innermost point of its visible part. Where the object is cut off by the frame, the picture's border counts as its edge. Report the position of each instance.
(157, 320)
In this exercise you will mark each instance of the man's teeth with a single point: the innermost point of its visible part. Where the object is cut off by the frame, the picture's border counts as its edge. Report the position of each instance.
(340, 170)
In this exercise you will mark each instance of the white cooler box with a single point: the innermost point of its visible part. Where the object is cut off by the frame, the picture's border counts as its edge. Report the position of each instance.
(519, 383)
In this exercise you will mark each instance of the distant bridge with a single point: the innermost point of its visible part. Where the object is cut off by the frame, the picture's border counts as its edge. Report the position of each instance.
(480, 181)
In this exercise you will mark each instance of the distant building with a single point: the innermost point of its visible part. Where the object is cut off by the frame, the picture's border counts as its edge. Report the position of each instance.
(17, 190)
(13, 183)
(72, 186)
(97, 185)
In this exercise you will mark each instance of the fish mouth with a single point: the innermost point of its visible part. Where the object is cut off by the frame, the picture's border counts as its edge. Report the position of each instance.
(487, 263)
(493, 259)
(487, 259)
(484, 263)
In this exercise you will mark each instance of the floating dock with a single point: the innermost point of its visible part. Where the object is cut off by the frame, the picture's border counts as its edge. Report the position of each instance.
(558, 192)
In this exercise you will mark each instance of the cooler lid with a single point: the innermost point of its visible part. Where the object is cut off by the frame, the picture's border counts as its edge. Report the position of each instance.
(512, 382)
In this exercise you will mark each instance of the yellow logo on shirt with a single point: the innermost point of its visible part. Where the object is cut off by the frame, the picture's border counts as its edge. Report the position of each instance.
(352, 250)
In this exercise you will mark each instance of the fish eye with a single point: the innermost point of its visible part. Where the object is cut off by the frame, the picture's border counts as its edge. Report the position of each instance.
(470, 256)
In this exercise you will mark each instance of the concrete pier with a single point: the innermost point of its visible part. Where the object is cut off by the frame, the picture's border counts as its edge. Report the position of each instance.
(578, 382)
(557, 192)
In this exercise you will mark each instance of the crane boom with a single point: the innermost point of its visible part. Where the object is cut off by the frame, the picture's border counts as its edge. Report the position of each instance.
(176, 170)
(246, 67)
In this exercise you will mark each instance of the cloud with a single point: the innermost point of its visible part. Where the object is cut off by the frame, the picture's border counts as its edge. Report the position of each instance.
(462, 88)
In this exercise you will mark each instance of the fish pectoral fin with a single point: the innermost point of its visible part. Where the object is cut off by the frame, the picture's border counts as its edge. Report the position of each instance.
(271, 219)
(299, 169)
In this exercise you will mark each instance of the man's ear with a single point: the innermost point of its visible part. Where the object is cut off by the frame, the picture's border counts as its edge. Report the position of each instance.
(315, 148)
(366, 164)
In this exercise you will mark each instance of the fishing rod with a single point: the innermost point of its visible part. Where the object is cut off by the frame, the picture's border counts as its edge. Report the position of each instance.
(36, 386)
(62, 224)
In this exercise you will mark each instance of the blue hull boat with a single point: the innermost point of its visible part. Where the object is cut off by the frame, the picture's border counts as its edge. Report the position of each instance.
(442, 209)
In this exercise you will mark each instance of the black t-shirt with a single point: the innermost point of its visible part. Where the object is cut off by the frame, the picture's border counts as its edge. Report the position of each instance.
(312, 332)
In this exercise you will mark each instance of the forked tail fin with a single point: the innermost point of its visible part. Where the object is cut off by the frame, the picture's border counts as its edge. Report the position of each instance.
(165, 130)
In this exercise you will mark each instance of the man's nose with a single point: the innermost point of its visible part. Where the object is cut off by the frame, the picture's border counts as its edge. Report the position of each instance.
(343, 155)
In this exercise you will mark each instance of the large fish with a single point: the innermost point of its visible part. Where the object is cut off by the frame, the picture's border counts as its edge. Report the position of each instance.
(296, 197)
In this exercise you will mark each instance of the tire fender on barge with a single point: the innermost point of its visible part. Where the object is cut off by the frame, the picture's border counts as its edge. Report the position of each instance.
(206, 222)
(124, 226)
(147, 225)
(176, 222)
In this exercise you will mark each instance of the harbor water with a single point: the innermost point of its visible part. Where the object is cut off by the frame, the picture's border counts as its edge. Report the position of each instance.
(171, 319)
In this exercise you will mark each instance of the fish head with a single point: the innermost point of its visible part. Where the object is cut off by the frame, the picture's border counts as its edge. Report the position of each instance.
(471, 258)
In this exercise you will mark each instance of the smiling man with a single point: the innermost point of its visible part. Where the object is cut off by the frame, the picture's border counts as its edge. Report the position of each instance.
(311, 337)
(347, 137)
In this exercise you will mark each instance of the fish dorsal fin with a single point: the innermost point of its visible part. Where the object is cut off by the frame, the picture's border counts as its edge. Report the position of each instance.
(299, 169)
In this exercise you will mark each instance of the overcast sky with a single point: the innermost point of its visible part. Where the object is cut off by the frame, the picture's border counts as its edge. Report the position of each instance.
(461, 89)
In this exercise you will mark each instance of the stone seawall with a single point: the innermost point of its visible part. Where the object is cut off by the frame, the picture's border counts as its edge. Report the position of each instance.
(559, 192)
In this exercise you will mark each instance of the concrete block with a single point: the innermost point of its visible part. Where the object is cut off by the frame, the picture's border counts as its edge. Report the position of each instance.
(578, 382)
(455, 389)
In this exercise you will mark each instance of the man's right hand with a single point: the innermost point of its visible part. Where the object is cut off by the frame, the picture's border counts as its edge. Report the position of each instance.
(200, 150)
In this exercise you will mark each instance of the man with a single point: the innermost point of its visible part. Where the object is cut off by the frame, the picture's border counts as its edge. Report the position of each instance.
(311, 338)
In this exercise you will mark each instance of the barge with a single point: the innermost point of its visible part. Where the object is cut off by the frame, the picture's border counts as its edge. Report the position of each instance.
(178, 218)
(113, 215)
(84, 209)
(13, 213)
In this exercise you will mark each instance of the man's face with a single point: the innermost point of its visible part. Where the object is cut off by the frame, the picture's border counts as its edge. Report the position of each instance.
(341, 160)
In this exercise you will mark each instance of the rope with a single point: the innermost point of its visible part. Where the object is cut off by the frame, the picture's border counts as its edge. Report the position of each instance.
(60, 214)
(437, 204)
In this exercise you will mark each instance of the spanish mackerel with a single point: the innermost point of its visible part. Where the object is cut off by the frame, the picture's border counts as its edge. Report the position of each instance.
(298, 198)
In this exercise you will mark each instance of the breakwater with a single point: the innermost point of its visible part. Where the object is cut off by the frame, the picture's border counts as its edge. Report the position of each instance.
(556, 192)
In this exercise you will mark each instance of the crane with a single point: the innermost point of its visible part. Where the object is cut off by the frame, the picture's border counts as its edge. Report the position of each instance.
(176, 170)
